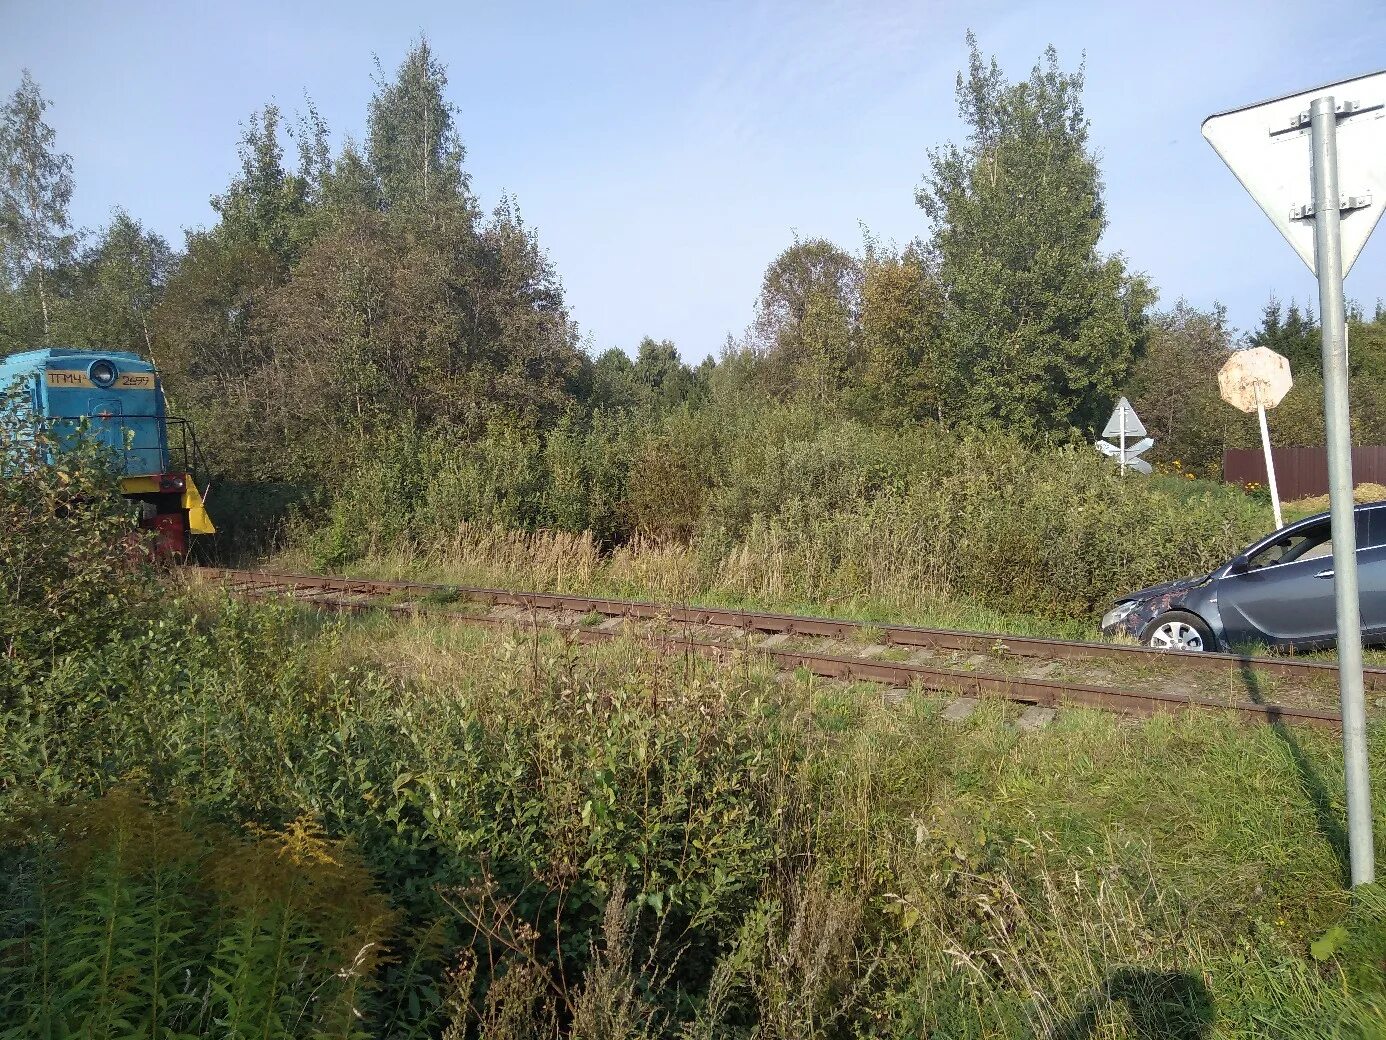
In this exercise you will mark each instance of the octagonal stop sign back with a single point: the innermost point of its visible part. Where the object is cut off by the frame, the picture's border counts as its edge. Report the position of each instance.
(1258, 376)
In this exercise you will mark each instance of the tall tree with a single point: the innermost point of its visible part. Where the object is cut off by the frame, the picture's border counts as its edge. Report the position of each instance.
(663, 378)
(214, 363)
(205, 334)
(1295, 335)
(349, 186)
(806, 319)
(612, 385)
(115, 287)
(314, 151)
(266, 203)
(385, 321)
(413, 145)
(35, 190)
(1046, 326)
(906, 373)
(1175, 387)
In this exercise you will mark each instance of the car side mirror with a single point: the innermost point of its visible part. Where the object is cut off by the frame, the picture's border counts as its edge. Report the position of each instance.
(1239, 565)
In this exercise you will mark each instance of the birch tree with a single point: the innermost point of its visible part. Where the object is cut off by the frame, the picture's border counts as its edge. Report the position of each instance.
(35, 191)
(412, 142)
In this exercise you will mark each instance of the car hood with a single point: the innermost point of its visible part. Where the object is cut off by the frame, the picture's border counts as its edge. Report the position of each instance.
(1182, 585)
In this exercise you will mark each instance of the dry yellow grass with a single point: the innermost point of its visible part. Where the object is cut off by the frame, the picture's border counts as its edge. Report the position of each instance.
(1367, 492)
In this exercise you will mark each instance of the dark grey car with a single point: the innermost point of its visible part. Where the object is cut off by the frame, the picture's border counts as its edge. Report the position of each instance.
(1279, 591)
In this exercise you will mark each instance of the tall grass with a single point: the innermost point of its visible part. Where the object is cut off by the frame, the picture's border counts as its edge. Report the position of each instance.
(779, 513)
(123, 921)
(616, 842)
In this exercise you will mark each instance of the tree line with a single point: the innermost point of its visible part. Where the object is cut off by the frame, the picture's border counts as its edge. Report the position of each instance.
(341, 297)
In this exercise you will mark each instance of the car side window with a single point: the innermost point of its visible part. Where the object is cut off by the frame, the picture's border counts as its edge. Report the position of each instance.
(1371, 528)
(1307, 543)
(1317, 551)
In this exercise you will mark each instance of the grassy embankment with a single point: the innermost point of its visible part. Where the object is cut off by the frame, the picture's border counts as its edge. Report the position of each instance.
(638, 845)
(509, 832)
(249, 820)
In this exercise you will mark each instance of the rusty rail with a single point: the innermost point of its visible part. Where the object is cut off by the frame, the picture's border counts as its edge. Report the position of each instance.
(1050, 693)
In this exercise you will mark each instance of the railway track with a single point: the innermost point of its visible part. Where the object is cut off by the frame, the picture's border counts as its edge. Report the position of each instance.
(865, 663)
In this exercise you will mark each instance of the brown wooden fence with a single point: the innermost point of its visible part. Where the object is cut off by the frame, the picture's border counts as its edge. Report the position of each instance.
(1301, 472)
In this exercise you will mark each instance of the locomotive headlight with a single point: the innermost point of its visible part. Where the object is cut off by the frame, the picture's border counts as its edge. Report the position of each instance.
(103, 373)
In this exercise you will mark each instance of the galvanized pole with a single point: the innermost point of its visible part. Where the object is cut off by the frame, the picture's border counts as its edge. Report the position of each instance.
(1121, 438)
(1328, 252)
(1270, 461)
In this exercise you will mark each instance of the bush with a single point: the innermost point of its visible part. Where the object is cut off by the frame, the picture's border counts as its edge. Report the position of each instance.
(73, 567)
(497, 812)
(253, 519)
(980, 518)
(417, 489)
(774, 505)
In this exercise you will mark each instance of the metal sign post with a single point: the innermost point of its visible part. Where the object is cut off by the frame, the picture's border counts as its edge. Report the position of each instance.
(1270, 462)
(1328, 252)
(1121, 458)
(1267, 146)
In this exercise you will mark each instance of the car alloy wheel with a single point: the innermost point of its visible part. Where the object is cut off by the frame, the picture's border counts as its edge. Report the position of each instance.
(1176, 635)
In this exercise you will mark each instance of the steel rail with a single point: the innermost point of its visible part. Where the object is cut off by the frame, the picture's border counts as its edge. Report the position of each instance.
(1046, 692)
(914, 636)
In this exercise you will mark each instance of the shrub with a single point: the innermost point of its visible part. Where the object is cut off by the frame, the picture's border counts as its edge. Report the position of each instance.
(981, 518)
(775, 505)
(588, 467)
(73, 568)
(417, 489)
(499, 810)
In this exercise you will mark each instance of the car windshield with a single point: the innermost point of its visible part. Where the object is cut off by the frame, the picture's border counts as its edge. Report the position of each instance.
(1307, 543)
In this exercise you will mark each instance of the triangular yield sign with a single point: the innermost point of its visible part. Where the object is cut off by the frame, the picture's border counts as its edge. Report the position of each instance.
(1134, 427)
(1267, 146)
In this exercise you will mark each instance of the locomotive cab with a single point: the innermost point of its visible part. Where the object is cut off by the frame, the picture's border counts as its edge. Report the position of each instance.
(118, 399)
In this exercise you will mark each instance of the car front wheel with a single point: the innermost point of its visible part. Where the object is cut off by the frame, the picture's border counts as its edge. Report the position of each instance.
(1178, 630)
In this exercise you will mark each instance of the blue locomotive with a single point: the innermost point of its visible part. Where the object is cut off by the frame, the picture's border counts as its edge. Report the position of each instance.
(120, 399)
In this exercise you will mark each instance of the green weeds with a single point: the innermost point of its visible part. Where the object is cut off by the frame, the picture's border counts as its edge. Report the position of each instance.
(124, 921)
(256, 821)
(767, 507)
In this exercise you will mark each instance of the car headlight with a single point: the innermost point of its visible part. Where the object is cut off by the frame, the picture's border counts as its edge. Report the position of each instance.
(1117, 614)
(103, 373)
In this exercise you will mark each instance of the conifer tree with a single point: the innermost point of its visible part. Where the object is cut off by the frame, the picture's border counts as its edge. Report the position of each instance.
(1295, 336)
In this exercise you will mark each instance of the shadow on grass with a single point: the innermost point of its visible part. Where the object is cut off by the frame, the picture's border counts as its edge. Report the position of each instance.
(1309, 781)
(1160, 1005)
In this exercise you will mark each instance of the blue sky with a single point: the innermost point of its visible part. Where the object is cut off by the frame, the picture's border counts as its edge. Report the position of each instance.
(667, 152)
